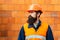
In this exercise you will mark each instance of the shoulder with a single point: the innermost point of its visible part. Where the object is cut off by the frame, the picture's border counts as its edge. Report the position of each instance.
(25, 25)
(44, 23)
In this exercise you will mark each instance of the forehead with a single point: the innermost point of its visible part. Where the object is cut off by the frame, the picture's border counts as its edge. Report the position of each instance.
(34, 12)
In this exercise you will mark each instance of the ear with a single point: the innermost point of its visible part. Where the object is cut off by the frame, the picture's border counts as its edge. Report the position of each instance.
(38, 15)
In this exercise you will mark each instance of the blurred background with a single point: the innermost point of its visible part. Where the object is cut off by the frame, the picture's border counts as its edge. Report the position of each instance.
(13, 15)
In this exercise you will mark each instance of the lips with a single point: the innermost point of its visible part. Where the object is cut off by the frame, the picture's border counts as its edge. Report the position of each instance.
(31, 20)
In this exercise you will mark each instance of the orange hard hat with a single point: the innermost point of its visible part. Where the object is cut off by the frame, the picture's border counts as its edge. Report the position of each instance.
(34, 7)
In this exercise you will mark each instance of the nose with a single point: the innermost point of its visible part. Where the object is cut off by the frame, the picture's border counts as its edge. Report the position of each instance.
(33, 14)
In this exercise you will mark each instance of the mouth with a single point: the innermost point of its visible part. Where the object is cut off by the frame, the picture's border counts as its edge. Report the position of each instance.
(31, 20)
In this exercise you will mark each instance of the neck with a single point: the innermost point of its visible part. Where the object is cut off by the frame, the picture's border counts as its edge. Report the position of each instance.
(36, 21)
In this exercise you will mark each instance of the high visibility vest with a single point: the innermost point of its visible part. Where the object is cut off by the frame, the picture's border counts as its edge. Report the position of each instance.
(32, 34)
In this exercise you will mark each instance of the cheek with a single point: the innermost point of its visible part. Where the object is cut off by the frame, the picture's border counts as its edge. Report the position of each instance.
(33, 15)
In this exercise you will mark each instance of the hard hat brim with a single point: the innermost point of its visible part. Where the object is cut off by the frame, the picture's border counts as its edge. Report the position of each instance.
(34, 11)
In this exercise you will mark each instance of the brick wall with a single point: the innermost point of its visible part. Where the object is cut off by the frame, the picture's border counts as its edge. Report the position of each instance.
(13, 15)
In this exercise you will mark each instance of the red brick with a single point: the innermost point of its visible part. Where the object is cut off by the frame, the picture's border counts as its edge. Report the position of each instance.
(2, 27)
(0, 20)
(11, 20)
(13, 33)
(28, 1)
(5, 20)
(55, 2)
(15, 27)
(56, 33)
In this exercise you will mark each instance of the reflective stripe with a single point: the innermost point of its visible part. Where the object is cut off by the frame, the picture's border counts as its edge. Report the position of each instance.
(36, 36)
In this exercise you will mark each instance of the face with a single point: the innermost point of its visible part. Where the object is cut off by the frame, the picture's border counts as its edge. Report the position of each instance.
(33, 16)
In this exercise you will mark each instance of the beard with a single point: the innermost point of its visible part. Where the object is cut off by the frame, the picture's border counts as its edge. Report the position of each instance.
(31, 20)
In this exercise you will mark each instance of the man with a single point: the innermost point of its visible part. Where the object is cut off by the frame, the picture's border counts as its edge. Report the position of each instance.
(34, 29)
